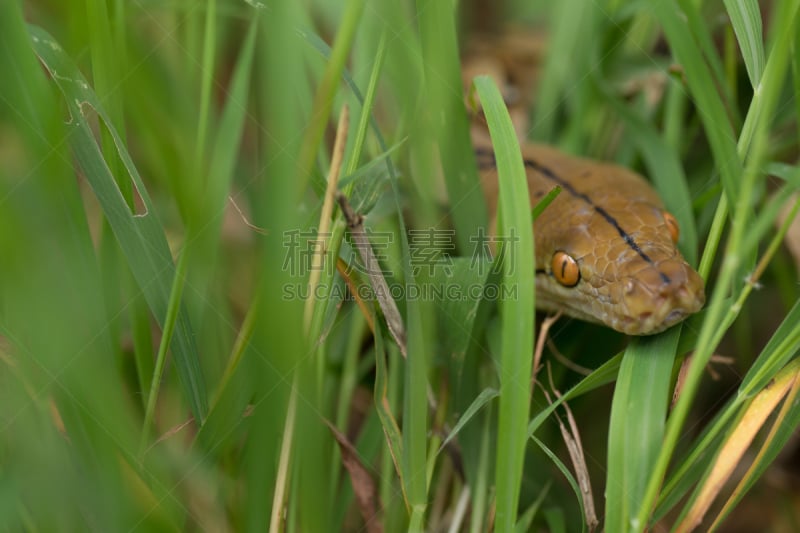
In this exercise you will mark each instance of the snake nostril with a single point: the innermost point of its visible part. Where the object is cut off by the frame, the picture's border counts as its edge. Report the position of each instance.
(630, 286)
(683, 297)
(676, 315)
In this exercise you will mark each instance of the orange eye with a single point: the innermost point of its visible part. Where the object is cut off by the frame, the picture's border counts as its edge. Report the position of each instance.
(672, 226)
(565, 269)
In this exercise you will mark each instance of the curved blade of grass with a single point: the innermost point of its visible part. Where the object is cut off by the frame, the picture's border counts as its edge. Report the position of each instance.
(745, 16)
(517, 314)
(705, 43)
(784, 345)
(203, 233)
(567, 474)
(710, 332)
(526, 518)
(738, 440)
(571, 25)
(323, 101)
(783, 430)
(768, 364)
(140, 236)
(437, 28)
(394, 438)
(415, 411)
(173, 308)
(483, 398)
(466, 279)
(691, 469)
(703, 90)
(665, 171)
(229, 131)
(602, 376)
(636, 428)
(542, 204)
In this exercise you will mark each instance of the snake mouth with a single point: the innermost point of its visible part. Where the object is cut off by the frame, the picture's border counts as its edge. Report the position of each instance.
(652, 305)
(662, 317)
(675, 316)
(649, 324)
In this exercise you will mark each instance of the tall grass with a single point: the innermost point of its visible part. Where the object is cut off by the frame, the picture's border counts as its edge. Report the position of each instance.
(164, 173)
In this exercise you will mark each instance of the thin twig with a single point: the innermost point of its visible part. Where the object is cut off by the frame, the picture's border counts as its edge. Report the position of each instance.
(247, 223)
(537, 354)
(566, 361)
(572, 439)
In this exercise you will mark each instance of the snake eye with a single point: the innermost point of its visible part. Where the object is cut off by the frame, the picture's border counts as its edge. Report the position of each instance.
(565, 269)
(672, 226)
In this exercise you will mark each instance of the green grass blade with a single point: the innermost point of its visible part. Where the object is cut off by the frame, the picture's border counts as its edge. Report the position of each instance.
(745, 16)
(140, 236)
(486, 396)
(278, 344)
(780, 349)
(667, 174)
(212, 194)
(703, 90)
(571, 26)
(206, 77)
(173, 307)
(779, 437)
(542, 204)
(710, 332)
(323, 100)
(704, 40)
(636, 428)
(517, 313)
(106, 66)
(564, 470)
(394, 438)
(437, 27)
(602, 376)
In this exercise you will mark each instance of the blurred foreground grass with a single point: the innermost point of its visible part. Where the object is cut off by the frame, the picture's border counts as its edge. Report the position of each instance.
(163, 174)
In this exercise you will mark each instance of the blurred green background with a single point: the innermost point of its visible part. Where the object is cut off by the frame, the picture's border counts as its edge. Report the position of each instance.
(163, 169)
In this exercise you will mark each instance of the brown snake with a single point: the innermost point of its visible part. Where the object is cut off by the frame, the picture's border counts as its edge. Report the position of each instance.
(605, 247)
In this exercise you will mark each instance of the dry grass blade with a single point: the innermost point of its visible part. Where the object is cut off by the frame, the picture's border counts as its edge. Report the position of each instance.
(245, 219)
(537, 355)
(282, 479)
(355, 223)
(364, 486)
(743, 484)
(572, 439)
(327, 210)
(734, 448)
(680, 380)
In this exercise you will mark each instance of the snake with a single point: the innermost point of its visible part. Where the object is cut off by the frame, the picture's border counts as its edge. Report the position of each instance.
(606, 248)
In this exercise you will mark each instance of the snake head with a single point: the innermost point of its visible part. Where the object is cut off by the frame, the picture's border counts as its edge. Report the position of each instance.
(620, 288)
(605, 247)
(613, 258)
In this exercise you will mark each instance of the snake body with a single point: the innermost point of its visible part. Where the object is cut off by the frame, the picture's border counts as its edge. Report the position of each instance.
(608, 232)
